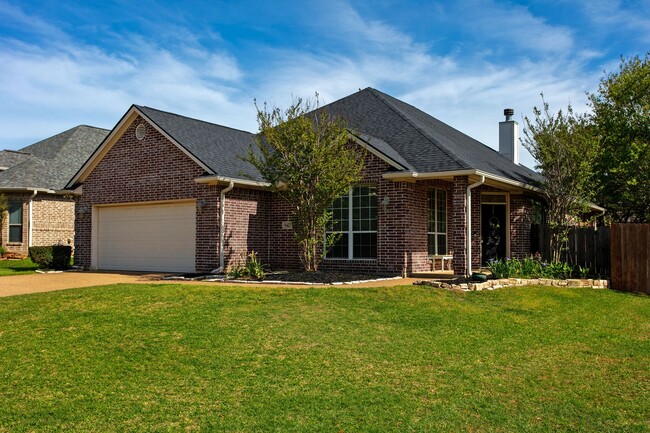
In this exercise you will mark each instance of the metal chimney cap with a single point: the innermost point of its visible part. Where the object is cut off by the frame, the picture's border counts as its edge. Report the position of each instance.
(508, 112)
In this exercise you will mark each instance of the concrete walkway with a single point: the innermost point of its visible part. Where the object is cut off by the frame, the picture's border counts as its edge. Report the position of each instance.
(37, 283)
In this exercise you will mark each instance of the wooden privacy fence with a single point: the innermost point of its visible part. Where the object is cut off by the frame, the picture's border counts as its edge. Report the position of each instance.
(631, 257)
(588, 247)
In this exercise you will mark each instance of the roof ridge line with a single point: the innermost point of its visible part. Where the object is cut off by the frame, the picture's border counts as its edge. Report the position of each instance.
(195, 119)
(406, 118)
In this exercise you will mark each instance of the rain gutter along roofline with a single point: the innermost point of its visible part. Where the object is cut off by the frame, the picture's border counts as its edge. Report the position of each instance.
(216, 180)
(412, 176)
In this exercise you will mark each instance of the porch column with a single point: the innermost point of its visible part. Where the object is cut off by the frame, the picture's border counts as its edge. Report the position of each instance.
(458, 222)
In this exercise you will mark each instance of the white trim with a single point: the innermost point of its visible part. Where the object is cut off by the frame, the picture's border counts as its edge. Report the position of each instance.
(369, 147)
(413, 175)
(26, 189)
(94, 230)
(468, 222)
(215, 180)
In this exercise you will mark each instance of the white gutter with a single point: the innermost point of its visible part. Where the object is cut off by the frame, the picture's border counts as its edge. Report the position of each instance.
(222, 228)
(413, 175)
(213, 180)
(31, 219)
(468, 256)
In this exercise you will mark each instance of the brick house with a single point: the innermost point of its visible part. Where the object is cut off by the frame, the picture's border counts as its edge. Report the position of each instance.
(40, 211)
(165, 192)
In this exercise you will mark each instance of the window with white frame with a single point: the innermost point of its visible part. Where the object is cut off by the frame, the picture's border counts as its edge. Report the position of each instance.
(15, 221)
(354, 217)
(437, 227)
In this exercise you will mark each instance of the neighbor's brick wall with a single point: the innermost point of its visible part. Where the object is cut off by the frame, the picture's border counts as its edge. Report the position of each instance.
(53, 220)
(17, 247)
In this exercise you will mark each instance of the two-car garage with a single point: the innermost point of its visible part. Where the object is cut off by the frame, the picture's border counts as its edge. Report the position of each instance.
(151, 237)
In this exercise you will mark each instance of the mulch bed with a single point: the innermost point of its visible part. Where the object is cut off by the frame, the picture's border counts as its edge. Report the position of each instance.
(319, 277)
(322, 277)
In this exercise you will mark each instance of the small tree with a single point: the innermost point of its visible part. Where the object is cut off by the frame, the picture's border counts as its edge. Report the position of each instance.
(564, 147)
(306, 158)
(621, 113)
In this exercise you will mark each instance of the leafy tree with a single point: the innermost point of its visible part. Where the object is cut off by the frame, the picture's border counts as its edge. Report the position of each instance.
(621, 114)
(564, 147)
(306, 158)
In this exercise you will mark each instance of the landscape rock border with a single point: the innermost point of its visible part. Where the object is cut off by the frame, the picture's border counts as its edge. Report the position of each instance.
(515, 282)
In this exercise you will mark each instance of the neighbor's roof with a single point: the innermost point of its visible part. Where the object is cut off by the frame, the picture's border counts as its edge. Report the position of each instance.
(50, 163)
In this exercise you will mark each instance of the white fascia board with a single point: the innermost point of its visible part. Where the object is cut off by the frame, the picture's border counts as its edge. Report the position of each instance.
(370, 148)
(412, 176)
(215, 180)
(27, 189)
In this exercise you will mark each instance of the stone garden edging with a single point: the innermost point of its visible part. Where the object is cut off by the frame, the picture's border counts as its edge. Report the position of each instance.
(515, 282)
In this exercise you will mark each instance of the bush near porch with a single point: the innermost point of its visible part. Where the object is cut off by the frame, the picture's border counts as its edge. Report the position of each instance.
(408, 358)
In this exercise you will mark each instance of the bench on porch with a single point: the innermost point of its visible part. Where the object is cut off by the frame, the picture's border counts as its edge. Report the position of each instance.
(441, 259)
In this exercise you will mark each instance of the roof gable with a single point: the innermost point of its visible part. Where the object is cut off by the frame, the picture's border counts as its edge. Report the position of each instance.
(424, 143)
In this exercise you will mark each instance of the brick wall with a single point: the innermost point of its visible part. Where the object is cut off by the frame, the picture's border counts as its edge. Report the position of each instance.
(521, 209)
(154, 169)
(457, 231)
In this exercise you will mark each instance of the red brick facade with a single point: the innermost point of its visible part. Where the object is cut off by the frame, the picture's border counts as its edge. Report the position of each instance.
(155, 170)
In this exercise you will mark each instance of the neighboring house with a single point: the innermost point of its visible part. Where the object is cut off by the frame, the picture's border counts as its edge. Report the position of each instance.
(165, 192)
(33, 180)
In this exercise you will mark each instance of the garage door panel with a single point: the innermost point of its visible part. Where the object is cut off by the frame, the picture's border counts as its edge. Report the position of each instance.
(157, 237)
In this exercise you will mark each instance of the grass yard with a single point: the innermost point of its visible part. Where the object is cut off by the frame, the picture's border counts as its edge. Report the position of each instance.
(204, 358)
(17, 267)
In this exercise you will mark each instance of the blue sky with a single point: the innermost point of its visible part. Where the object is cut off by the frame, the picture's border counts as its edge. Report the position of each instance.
(64, 63)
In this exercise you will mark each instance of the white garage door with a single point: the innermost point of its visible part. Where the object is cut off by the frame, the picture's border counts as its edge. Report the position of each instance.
(158, 237)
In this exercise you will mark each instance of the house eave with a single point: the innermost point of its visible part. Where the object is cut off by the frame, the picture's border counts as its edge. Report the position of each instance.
(473, 174)
(225, 180)
(27, 189)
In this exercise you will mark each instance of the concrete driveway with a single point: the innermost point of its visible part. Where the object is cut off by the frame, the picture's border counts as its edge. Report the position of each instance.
(37, 283)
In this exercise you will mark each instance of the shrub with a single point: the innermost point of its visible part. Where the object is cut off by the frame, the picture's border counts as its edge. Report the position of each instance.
(51, 257)
(251, 269)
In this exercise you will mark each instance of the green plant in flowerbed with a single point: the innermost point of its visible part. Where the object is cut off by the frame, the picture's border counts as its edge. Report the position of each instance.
(252, 268)
(532, 267)
(177, 357)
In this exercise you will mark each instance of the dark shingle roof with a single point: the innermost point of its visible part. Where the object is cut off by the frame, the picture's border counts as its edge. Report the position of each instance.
(218, 147)
(408, 136)
(424, 142)
(50, 163)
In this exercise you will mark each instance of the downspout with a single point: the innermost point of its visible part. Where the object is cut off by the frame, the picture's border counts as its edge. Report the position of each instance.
(222, 227)
(468, 257)
(29, 236)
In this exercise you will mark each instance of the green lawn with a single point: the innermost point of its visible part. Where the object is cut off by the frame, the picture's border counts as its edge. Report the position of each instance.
(17, 267)
(204, 358)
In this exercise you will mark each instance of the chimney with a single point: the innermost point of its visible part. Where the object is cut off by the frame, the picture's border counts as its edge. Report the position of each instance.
(509, 137)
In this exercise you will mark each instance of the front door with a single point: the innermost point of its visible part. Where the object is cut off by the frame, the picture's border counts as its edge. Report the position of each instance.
(493, 231)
